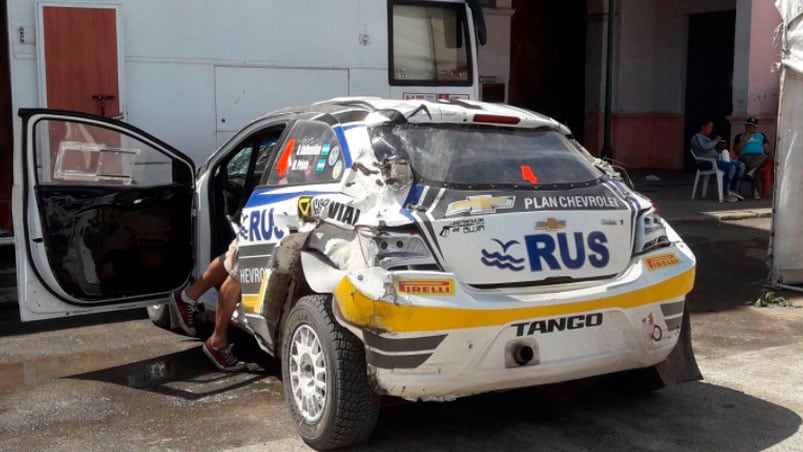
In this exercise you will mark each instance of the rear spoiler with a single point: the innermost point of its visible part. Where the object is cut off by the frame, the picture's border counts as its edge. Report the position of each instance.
(479, 21)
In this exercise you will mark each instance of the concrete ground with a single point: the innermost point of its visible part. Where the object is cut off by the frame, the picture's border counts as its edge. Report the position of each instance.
(117, 382)
(671, 193)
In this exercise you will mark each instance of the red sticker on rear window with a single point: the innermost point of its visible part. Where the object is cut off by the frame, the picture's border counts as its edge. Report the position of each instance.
(528, 175)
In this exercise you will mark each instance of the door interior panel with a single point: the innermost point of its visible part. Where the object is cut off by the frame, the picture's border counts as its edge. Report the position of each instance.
(114, 242)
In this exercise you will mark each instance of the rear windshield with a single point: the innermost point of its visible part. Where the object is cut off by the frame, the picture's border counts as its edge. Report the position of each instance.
(492, 156)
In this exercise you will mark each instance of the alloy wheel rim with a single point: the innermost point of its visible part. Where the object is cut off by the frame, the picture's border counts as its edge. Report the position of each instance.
(307, 371)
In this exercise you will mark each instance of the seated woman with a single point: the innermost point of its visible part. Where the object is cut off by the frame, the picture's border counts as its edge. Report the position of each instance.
(752, 147)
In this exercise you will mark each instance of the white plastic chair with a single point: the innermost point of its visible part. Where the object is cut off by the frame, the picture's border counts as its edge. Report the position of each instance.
(714, 171)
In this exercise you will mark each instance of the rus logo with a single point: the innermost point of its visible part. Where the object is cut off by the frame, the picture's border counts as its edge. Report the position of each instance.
(259, 225)
(541, 249)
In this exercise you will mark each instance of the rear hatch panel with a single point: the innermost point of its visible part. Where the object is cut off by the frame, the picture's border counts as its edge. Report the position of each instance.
(497, 237)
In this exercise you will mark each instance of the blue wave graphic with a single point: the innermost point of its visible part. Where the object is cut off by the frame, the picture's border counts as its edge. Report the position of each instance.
(506, 245)
(502, 265)
(501, 257)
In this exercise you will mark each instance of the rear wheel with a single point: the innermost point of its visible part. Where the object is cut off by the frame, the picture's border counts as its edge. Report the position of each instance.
(325, 380)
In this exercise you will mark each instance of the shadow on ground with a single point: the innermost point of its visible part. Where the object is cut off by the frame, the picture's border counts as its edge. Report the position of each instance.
(189, 374)
(697, 416)
(10, 324)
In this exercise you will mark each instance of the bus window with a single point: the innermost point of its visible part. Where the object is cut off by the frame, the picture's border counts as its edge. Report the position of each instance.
(429, 44)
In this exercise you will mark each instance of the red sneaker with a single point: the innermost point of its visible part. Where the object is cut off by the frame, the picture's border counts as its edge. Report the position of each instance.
(185, 313)
(222, 359)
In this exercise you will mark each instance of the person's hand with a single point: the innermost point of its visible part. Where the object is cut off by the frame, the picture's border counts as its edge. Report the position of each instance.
(717, 138)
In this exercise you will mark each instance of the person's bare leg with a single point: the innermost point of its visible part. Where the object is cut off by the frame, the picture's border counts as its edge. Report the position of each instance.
(213, 276)
(227, 300)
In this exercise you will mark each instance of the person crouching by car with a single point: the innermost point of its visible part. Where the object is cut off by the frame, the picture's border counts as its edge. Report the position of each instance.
(703, 146)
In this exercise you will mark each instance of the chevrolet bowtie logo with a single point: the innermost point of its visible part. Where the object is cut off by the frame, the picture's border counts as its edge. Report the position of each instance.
(478, 205)
(551, 224)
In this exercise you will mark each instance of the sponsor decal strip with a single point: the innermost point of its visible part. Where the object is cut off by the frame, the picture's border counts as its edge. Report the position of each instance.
(406, 344)
(383, 361)
(661, 261)
(673, 324)
(261, 198)
(574, 322)
(431, 287)
(262, 249)
(344, 144)
(360, 310)
(428, 233)
(429, 236)
(672, 309)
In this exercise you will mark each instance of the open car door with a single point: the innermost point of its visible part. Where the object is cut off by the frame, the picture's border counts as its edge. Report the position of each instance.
(102, 215)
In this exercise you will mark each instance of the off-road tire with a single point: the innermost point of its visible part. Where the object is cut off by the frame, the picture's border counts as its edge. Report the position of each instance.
(160, 315)
(351, 407)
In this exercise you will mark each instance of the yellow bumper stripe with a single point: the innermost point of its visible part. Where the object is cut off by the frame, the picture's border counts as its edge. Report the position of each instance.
(362, 311)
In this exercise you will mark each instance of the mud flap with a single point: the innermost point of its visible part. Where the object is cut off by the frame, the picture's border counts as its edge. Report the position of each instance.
(680, 365)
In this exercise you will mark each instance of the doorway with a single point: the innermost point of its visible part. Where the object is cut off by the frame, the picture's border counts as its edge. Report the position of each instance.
(709, 75)
(547, 60)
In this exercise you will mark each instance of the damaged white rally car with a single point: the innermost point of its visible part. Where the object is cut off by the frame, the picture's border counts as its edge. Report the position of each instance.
(423, 250)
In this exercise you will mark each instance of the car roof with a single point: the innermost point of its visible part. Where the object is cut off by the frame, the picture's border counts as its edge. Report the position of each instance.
(343, 110)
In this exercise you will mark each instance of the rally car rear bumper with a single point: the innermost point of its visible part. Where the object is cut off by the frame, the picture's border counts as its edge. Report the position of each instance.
(427, 336)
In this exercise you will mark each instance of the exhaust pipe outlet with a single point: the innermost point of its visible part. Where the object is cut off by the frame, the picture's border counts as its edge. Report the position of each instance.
(523, 354)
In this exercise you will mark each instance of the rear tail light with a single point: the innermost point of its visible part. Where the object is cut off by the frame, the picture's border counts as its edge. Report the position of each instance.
(651, 232)
(398, 248)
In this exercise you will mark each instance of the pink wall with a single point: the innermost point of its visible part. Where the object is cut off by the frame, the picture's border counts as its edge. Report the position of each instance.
(640, 140)
(763, 84)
